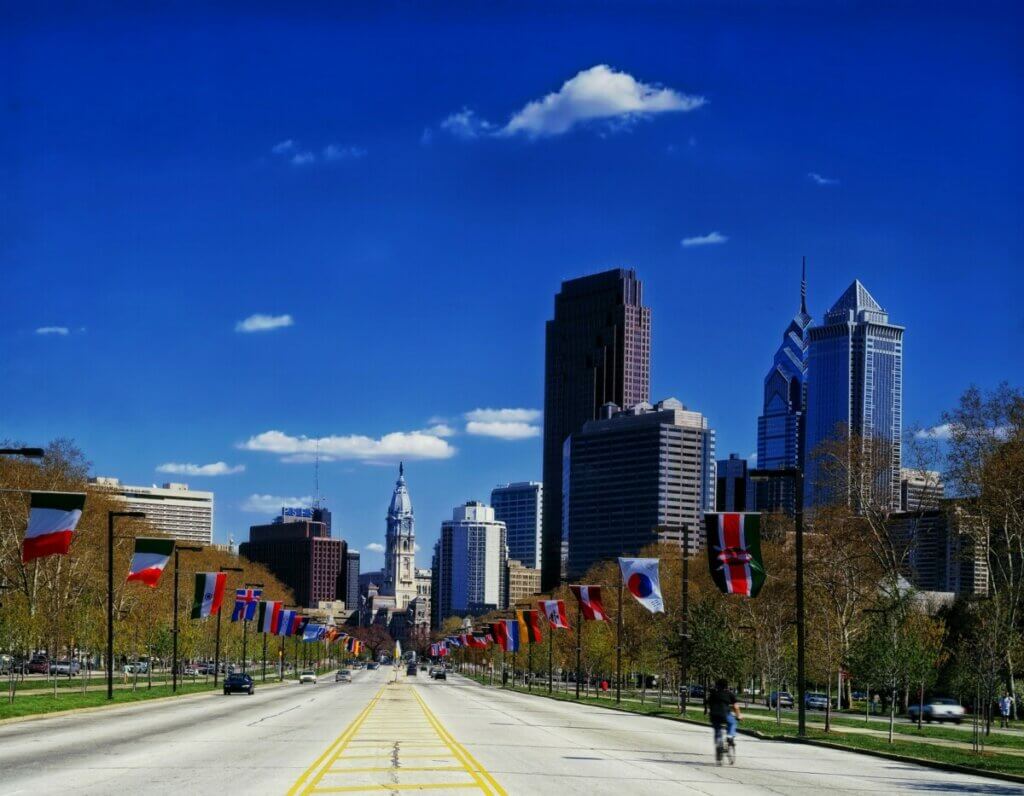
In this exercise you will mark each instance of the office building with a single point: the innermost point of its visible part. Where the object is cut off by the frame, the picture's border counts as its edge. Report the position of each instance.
(400, 546)
(597, 351)
(350, 590)
(855, 390)
(301, 555)
(520, 506)
(920, 489)
(522, 583)
(469, 563)
(781, 426)
(634, 477)
(173, 509)
(945, 549)
(731, 484)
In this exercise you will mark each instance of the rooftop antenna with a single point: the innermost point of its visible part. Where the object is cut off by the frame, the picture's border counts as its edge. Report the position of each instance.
(803, 285)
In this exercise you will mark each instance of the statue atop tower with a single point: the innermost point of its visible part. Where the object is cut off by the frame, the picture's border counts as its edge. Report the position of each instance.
(400, 553)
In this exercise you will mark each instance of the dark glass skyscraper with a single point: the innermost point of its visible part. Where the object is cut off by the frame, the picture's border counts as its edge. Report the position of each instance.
(855, 386)
(598, 351)
(780, 428)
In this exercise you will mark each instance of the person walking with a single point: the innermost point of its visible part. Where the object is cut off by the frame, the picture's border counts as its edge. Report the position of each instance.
(1005, 705)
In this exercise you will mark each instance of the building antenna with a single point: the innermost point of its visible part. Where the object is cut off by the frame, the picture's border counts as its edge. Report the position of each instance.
(316, 475)
(803, 285)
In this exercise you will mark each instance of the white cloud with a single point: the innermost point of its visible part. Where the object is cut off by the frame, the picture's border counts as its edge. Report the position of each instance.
(502, 430)
(596, 93)
(335, 152)
(390, 447)
(440, 430)
(375, 547)
(705, 240)
(303, 158)
(752, 457)
(284, 147)
(58, 330)
(819, 180)
(466, 125)
(942, 431)
(217, 468)
(271, 504)
(504, 415)
(263, 323)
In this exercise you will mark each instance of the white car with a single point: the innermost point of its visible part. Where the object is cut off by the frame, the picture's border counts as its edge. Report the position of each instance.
(938, 709)
(307, 676)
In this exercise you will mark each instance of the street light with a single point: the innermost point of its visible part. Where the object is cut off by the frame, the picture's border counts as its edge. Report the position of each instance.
(245, 634)
(216, 649)
(110, 593)
(174, 632)
(797, 475)
(28, 453)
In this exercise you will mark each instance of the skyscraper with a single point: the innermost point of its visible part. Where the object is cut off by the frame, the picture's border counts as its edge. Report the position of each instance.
(520, 506)
(597, 351)
(855, 387)
(635, 477)
(302, 555)
(469, 566)
(733, 483)
(780, 428)
(400, 548)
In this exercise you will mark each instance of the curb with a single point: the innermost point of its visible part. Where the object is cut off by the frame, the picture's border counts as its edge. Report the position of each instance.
(953, 767)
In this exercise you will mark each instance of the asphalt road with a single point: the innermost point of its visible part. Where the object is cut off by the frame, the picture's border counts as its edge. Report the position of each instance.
(453, 736)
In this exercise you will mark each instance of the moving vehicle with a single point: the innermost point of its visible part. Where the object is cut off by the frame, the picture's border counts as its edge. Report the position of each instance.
(239, 682)
(410, 670)
(307, 676)
(343, 676)
(783, 698)
(373, 666)
(816, 701)
(938, 709)
(440, 674)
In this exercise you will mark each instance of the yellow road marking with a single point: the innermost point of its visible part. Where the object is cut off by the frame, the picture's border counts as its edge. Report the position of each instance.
(392, 786)
(344, 770)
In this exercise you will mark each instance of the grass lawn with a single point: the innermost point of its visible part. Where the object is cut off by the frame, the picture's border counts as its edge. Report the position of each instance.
(28, 706)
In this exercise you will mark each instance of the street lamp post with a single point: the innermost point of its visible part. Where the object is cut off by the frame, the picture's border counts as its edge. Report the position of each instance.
(174, 632)
(216, 648)
(245, 634)
(110, 593)
(797, 475)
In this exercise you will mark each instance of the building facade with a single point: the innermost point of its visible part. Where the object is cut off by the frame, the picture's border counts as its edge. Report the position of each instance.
(521, 583)
(469, 563)
(732, 485)
(520, 506)
(173, 509)
(855, 389)
(945, 549)
(350, 591)
(781, 426)
(634, 477)
(301, 555)
(597, 351)
(920, 489)
(400, 546)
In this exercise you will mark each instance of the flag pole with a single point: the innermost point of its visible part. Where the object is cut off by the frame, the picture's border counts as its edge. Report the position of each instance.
(264, 658)
(579, 639)
(618, 645)
(551, 671)
(684, 630)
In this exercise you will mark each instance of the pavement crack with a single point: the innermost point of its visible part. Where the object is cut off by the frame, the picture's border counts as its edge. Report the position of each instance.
(272, 716)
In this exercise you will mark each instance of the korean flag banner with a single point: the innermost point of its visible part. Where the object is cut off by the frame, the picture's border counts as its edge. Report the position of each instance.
(734, 552)
(640, 576)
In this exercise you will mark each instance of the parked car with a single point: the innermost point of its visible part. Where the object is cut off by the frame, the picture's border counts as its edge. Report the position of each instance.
(440, 674)
(307, 676)
(39, 664)
(343, 676)
(373, 666)
(783, 698)
(138, 666)
(938, 709)
(695, 692)
(190, 671)
(239, 682)
(816, 701)
(860, 696)
(410, 670)
(65, 668)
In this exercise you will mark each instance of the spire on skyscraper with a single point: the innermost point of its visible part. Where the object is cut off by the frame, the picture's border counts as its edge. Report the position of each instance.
(803, 285)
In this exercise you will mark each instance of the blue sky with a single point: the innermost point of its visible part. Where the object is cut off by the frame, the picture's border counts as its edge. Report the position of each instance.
(410, 185)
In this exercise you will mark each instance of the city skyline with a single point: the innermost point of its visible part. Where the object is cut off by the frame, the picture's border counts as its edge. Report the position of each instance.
(209, 261)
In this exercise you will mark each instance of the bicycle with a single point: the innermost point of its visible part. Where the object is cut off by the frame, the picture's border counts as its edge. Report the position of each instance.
(725, 747)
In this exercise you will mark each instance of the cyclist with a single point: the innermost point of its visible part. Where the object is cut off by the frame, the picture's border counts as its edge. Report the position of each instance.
(725, 712)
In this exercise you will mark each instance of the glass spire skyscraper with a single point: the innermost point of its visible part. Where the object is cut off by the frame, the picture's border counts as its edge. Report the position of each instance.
(780, 428)
(855, 385)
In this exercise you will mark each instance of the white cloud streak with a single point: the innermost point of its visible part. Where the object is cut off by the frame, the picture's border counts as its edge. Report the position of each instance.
(375, 547)
(390, 447)
(465, 124)
(335, 152)
(711, 239)
(817, 179)
(502, 430)
(263, 323)
(61, 331)
(504, 415)
(217, 468)
(284, 147)
(271, 504)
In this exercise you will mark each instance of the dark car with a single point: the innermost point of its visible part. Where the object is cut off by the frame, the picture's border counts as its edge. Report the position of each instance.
(410, 670)
(784, 699)
(238, 682)
(39, 664)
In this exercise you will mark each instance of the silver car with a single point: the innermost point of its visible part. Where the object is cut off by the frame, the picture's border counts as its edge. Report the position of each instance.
(938, 709)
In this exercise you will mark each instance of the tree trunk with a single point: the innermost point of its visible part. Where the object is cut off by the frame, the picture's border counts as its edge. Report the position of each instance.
(828, 704)
(892, 711)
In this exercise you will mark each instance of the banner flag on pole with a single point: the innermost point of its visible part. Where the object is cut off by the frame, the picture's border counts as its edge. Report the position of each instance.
(149, 560)
(285, 622)
(529, 624)
(554, 610)
(511, 635)
(270, 613)
(246, 601)
(500, 635)
(589, 598)
(52, 519)
(734, 552)
(209, 594)
(314, 632)
(640, 576)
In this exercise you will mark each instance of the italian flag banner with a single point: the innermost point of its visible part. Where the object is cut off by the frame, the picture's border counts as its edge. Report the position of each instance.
(52, 519)
(734, 552)
(150, 560)
(209, 594)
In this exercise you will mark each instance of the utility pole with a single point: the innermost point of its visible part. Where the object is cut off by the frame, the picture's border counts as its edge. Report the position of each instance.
(110, 594)
(178, 549)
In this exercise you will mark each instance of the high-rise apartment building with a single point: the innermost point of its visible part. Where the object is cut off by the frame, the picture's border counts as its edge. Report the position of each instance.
(521, 583)
(597, 351)
(350, 592)
(302, 555)
(946, 553)
(469, 563)
(732, 485)
(173, 509)
(400, 547)
(855, 389)
(920, 489)
(780, 428)
(634, 477)
(520, 506)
